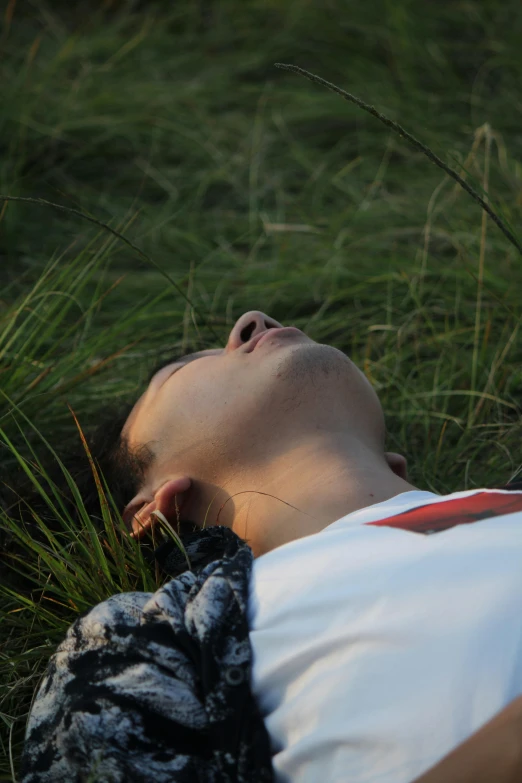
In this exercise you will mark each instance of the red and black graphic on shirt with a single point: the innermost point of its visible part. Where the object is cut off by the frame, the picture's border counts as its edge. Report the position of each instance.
(435, 517)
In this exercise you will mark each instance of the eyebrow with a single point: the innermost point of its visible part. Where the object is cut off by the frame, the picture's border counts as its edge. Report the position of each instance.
(171, 360)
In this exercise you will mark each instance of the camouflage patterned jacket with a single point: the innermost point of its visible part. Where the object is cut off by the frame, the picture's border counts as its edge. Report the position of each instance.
(156, 686)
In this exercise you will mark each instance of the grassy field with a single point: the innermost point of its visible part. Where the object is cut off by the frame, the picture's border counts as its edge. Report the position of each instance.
(244, 187)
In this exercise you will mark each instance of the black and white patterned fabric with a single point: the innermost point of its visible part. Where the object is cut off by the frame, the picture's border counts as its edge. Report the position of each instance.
(156, 686)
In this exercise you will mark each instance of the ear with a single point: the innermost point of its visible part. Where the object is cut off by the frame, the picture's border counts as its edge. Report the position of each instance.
(397, 463)
(138, 514)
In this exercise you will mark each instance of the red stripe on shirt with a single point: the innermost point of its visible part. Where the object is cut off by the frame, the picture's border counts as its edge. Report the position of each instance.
(434, 517)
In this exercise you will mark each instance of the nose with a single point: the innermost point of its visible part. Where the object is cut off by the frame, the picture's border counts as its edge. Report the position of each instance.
(249, 325)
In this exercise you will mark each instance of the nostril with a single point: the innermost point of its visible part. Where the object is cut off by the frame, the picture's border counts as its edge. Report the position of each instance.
(246, 332)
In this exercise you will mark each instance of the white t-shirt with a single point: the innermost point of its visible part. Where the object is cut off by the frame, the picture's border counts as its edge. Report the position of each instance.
(380, 647)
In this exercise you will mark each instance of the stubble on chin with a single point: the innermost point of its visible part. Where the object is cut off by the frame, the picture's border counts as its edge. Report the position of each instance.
(308, 371)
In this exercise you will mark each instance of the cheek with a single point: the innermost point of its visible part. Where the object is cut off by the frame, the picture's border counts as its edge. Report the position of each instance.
(192, 403)
(212, 406)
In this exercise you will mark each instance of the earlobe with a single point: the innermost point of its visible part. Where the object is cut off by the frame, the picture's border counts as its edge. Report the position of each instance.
(141, 520)
(397, 463)
(168, 501)
(136, 511)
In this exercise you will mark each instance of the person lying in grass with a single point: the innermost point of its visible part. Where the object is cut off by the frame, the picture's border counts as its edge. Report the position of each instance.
(326, 620)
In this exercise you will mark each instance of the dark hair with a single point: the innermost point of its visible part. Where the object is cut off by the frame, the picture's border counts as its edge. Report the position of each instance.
(122, 469)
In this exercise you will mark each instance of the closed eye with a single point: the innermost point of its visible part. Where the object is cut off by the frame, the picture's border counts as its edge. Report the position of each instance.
(177, 369)
(169, 361)
(182, 361)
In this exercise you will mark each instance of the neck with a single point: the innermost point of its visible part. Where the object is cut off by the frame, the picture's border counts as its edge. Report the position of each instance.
(307, 488)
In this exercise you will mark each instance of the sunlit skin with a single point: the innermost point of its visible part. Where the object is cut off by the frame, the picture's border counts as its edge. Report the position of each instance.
(280, 441)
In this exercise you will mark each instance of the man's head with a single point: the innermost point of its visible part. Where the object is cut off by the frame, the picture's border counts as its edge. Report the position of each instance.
(249, 418)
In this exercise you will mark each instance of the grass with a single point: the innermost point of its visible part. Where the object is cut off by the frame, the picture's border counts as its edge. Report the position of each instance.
(249, 188)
